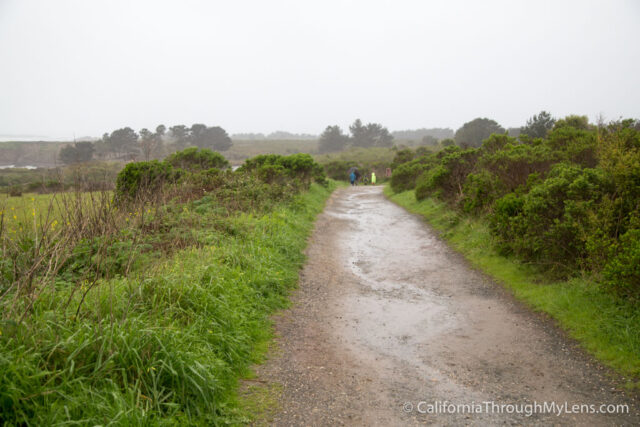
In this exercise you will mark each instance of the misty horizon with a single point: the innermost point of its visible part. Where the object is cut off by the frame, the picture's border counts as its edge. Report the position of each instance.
(86, 68)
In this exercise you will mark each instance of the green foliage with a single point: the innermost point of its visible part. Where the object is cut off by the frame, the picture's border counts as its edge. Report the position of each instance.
(574, 121)
(79, 152)
(606, 325)
(562, 202)
(404, 176)
(449, 174)
(403, 156)
(472, 133)
(538, 125)
(165, 343)
(370, 135)
(215, 138)
(447, 142)
(367, 160)
(193, 159)
(513, 163)
(337, 169)
(554, 219)
(296, 166)
(120, 141)
(480, 190)
(140, 178)
(622, 272)
(332, 139)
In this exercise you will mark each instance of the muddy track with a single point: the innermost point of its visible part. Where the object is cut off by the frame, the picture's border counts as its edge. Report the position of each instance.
(389, 324)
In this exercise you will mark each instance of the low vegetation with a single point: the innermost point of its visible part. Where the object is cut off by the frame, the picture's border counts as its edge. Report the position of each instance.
(144, 305)
(563, 209)
(367, 160)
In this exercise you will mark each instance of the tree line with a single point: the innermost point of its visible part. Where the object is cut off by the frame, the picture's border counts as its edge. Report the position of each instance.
(369, 135)
(127, 144)
(469, 135)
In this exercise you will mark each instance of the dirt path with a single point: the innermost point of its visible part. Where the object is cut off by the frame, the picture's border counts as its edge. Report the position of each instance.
(387, 317)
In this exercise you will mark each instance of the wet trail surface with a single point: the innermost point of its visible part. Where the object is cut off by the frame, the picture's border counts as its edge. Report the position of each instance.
(387, 316)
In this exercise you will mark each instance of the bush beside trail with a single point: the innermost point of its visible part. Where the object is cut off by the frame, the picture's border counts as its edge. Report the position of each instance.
(568, 202)
(147, 311)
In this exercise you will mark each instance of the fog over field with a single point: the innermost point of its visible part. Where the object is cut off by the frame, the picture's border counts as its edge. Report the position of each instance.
(73, 67)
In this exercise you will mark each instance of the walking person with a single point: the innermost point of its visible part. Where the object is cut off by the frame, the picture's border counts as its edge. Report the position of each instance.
(373, 178)
(352, 178)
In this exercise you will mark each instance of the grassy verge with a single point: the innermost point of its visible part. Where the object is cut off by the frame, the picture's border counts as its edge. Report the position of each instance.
(165, 346)
(607, 327)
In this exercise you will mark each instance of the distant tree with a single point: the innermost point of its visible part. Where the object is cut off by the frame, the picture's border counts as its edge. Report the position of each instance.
(122, 141)
(538, 125)
(574, 121)
(381, 135)
(179, 135)
(429, 140)
(358, 134)
(472, 133)
(219, 138)
(214, 138)
(197, 135)
(148, 143)
(161, 130)
(332, 139)
(77, 153)
(371, 135)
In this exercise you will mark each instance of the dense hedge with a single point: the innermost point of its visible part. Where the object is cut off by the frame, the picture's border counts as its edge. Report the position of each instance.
(297, 168)
(569, 202)
(194, 172)
(194, 159)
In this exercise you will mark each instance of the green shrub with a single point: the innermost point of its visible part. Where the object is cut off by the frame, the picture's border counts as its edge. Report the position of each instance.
(449, 174)
(403, 156)
(272, 174)
(404, 176)
(549, 224)
(480, 190)
(622, 272)
(194, 159)
(430, 180)
(140, 179)
(299, 166)
(337, 169)
(513, 163)
(574, 145)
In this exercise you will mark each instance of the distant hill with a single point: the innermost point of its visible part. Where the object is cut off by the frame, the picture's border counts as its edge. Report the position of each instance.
(418, 134)
(277, 135)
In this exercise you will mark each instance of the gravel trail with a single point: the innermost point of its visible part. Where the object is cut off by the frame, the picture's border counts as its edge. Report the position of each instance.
(389, 324)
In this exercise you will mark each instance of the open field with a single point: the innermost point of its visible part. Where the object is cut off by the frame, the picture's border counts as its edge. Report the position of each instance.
(242, 150)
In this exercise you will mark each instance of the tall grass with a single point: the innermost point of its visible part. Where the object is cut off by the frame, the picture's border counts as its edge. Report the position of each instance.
(165, 344)
(606, 326)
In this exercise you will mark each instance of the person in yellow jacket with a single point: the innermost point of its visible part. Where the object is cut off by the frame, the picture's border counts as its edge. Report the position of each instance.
(373, 178)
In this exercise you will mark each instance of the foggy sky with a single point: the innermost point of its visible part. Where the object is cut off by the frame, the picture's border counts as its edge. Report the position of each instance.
(89, 67)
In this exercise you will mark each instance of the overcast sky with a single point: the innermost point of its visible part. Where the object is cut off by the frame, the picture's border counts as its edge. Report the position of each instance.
(89, 66)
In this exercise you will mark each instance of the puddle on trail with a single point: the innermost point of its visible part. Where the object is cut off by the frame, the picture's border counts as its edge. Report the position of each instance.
(399, 306)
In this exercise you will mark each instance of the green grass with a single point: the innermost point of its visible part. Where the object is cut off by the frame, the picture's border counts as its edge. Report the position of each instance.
(359, 155)
(165, 346)
(18, 213)
(606, 327)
